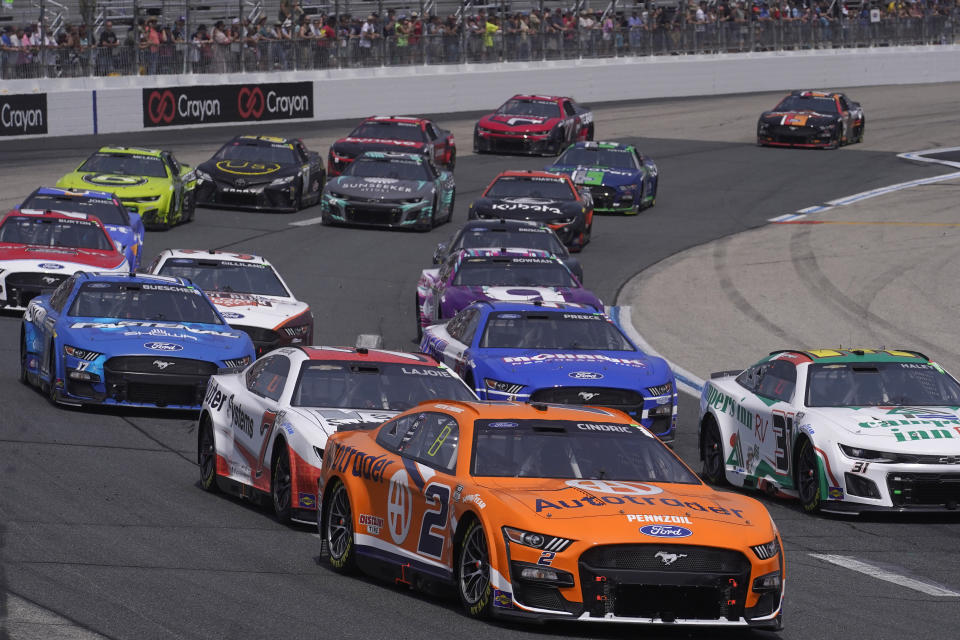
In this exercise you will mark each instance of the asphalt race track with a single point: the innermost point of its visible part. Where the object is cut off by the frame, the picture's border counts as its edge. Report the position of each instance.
(103, 522)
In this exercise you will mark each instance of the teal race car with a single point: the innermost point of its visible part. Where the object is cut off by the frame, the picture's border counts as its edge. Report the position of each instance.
(619, 178)
(385, 189)
(149, 182)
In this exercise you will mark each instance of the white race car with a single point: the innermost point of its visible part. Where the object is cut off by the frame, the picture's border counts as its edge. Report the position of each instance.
(247, 291)
(844, 430)
(41, 249)
(262, 430)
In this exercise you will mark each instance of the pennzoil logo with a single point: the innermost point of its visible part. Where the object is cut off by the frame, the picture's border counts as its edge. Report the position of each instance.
(112, 180)
(245, 168)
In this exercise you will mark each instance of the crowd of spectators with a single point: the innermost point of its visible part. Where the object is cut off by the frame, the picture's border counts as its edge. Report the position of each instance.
(296, 40)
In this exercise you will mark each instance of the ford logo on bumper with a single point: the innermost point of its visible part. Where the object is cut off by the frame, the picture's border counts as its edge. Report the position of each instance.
(665, 531)
(162, 346)
(585, 375)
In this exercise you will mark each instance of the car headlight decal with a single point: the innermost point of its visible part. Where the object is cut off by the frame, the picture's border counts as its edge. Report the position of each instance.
(768, 550)
(81, 354)
(536, 540)
(503, 387)
(237, 363)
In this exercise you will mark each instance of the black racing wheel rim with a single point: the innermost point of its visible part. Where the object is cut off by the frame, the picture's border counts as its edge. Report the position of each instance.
(280, 486)
(339, 524)
(712, 453)
(808, 481)
(208, 456)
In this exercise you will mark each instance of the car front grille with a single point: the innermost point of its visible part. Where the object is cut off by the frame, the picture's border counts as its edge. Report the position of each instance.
(653, 557)
(924, 489)
(157, 380)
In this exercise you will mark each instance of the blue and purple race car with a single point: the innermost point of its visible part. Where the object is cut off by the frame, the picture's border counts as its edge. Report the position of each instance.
(557, 353)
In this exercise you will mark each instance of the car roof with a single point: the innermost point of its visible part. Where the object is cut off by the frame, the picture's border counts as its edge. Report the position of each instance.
(539, 307)
(141, 278)
(360, 354)
(393, 155)
(134, 151)
(807, 93)
(844, 356)
(530, 96)
(516, 173)
(263, 140)
(56, 191)
(54, 214)
(591, 144)
(397, 119)
(494, 224)
(213, 254)
(521, 411)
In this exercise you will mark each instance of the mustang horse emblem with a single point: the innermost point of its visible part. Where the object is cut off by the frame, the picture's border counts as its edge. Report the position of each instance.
(668, 558)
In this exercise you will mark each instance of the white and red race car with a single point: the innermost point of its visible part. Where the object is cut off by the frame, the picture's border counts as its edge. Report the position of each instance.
(262, 430)
(41, 249)
(247, 291)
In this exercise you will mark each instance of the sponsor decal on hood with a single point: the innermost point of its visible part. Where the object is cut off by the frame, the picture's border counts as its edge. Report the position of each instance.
(575, 357)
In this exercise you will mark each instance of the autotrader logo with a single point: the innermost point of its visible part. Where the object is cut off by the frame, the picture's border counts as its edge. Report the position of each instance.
(161, 107)
(250, 103)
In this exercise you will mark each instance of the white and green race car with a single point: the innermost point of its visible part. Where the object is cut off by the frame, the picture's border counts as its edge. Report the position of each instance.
(149, 182)
(846, 430)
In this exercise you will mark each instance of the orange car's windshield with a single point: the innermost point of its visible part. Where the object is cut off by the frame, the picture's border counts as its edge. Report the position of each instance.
(567, 450)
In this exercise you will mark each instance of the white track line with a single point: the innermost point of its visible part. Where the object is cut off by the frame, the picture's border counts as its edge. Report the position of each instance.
(307, 222)
(889, 576)
(919, 156)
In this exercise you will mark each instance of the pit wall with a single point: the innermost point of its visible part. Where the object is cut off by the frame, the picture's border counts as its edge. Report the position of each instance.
(82, 106)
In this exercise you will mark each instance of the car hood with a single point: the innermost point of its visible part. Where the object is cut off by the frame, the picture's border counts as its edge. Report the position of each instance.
(515, 123)
(380, 188)
(255, 310)
(461, 296)
(352, 147)
(626, 507)
(121, 185)
(539, 209)
(173, 339)
(798, 118)
(330, 420)
(59, 259)
(923, 430)
(581, 368)
(597, 176)
(242, 173)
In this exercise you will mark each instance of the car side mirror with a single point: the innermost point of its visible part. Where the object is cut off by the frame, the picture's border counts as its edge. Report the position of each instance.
(438, 254)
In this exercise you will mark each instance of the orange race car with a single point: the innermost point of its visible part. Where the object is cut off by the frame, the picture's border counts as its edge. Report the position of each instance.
(547, 512)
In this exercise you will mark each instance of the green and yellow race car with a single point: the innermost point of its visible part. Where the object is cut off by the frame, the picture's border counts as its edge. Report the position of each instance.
(150, 182)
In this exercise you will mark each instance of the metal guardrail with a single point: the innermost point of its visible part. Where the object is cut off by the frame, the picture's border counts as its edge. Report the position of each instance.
(458, 45)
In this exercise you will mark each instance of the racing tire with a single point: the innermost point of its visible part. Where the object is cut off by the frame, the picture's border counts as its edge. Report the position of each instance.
(52, 385)
(416, 315)
(338, 530)
(453, 202)
(189, 207)
(207, 457)
(861, 130)
(589, 136)
(472, 566)
(453, 160)
(24, 374)
(281, 485)
(808, 477)
(711, 453)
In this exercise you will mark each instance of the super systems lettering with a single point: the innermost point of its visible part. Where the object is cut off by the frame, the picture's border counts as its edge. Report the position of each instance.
(206, 104)
(23, 114)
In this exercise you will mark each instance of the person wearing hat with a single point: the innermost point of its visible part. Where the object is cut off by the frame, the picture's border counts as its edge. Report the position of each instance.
(200, 53)
(369, 45)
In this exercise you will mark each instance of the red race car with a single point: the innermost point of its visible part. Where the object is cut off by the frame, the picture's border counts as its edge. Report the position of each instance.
(537, 125)
(394, 133)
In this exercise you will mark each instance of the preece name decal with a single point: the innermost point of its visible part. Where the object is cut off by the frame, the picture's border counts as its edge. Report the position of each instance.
(362, 465)
(227, 103)
(23, 114)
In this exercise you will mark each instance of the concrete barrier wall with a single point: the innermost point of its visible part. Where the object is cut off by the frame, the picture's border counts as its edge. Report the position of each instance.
(101, 105)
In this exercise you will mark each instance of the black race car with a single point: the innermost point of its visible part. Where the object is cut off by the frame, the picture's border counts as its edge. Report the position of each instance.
(507, 234)
(812, 119)
(261, 172)
(550, 198)
(394, 134)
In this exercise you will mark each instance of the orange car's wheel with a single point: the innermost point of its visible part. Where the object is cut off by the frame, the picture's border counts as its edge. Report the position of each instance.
(473, 572)
(338, 529)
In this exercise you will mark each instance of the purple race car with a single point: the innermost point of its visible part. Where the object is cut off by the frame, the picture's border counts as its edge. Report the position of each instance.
(516, 275)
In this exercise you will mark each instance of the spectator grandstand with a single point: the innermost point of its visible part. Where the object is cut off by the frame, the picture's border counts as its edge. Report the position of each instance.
(71, 38)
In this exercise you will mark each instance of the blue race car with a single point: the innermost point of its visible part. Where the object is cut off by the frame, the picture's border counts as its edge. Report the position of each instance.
(125, 227)
(558, 353)
(619, 178)
(132, 340)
